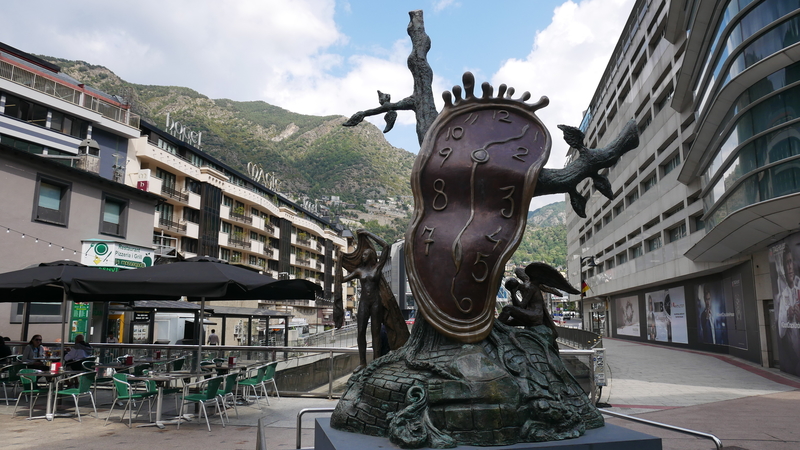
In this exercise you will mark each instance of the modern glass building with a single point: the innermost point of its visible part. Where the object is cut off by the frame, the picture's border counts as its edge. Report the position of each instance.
(687, 254)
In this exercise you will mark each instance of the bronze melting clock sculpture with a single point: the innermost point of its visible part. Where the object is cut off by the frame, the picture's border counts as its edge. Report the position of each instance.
(464, 378)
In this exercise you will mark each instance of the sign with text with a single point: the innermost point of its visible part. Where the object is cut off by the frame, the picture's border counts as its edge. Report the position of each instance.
(79, 320)
(115, 254)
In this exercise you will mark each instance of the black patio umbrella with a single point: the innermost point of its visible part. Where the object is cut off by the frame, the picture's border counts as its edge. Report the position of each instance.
(46, 282)
(202, 278)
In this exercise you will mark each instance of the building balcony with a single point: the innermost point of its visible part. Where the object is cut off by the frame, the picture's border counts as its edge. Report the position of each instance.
(269, 228)
(241, 218)
(271, 252)
(170, 225)
(174, 194)
(239, 243)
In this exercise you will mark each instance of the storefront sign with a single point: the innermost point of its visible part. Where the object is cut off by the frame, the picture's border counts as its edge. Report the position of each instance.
(109, 254)
(79, 320)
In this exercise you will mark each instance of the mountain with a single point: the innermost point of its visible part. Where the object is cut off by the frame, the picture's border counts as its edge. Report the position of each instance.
(545, 237)
(310, 155)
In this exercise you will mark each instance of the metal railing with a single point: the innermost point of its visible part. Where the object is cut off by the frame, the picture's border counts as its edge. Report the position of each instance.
(578, 338)
(174, 193)
(300, 421)
(61, 91)
(665, 426)
(241, 218)
(170, 225)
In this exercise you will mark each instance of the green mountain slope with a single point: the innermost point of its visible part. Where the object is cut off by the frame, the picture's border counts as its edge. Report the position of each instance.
(545, 237)
(311, 155)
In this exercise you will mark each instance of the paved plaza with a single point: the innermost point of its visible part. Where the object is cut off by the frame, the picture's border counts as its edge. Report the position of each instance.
(745, 405)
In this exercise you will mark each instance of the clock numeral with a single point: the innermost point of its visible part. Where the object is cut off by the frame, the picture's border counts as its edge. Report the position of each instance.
(522, 152)
(491, 238)
(479, 260)
(439, 193)
(508, 197)
(454, 132)
(445, 152)
(430, 240)
(503, 116)
(471, 118)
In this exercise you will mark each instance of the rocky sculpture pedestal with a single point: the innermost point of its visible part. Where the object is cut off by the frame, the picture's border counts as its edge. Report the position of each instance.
(510, 388)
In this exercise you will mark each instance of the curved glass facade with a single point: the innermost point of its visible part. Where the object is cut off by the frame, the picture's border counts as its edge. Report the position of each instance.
(763, 151)
(772, 182)
(769, 113)
(753, 21)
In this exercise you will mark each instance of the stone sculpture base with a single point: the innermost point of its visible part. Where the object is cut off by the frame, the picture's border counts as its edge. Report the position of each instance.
(609, 437)
(434, 392)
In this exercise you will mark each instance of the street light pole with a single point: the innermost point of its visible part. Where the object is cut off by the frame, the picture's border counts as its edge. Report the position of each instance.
(591, 263)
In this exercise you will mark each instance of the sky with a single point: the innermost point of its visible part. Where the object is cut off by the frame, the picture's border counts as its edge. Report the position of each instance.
(326, 57)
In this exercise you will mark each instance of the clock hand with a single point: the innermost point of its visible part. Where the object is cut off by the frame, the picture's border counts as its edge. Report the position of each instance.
(481, 155)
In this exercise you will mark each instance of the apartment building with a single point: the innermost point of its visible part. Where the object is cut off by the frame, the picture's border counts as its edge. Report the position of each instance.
(62, 146)
(209, 209)
(690, 252)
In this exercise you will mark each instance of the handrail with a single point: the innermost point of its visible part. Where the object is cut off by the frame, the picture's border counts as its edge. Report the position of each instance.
(300, 419)
(715, 439)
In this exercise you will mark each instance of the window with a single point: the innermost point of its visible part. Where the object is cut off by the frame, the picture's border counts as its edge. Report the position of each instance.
(619, 208)
(191, 215)
(653, 243)
(253, 236)
(672, 164)
(225, 254)
(253, 260)
(632, 197)
(167, 146)
(51, 202)
(114, 216)
(192, 185)
(236, 257)
(636, 251)
(189, 244)
(622, 258)
(649, 183)
(227, 201)
(699, 223)
(677, 232)
(227, 227)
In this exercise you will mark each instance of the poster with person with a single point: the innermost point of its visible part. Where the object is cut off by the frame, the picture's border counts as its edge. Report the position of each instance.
(666, 316)
(735, 316)
(711, 314)
(785, 276)
(628, 316)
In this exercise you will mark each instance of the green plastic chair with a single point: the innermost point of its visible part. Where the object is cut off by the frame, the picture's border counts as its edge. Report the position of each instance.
(9, 375)
(253, 383)
(125, 392)
(178, 363)
(269, 377)
(205, 396)
(228, 392)
(29, 388)
(85, 381)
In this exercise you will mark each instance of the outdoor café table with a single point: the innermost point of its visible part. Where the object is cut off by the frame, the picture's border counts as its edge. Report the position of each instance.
(51, 378)
(161, 380)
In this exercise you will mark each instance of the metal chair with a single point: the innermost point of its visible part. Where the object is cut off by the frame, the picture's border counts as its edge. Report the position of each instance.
(227, 392)
(269, 377)
(125, 392)
(202, 397)
(29, 388)
(253, 383)
(85, 381)
(9, 375)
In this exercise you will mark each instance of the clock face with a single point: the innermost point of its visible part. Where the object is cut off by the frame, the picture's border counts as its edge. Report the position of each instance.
(472, 184)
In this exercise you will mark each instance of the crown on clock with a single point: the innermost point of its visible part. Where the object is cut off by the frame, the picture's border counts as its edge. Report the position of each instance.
(504, 94)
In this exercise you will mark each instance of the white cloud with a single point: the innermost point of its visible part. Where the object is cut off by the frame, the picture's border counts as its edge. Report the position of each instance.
(566, 63)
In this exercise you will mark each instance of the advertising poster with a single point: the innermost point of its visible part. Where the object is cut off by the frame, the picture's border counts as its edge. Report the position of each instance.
(666, 316)
(79, 320)
(628, 316)
(711, 314)
(720, 312)
(785, 278)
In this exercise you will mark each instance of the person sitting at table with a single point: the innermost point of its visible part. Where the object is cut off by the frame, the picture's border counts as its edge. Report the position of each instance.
(33, 352)
(78, 353)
